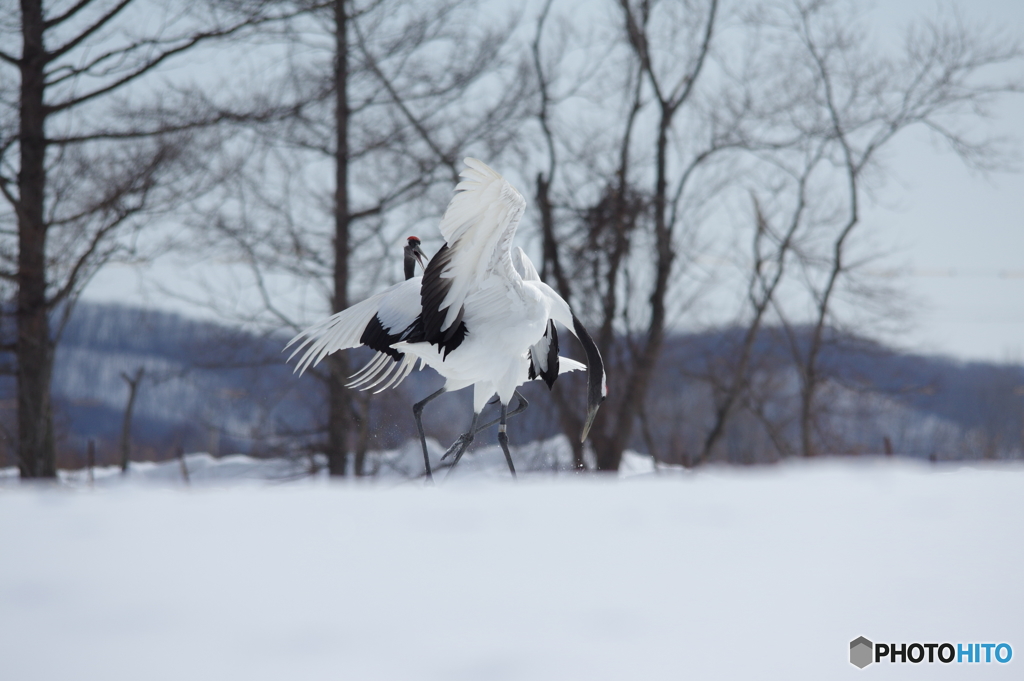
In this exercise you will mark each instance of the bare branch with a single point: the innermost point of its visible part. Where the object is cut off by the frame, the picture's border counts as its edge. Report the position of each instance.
(84, 35)
(207, 121)
(68, 72)
(71, 11)
(545, 99)
(149, 65)
(636, 32)
(682, 91)
(6, 191)
(84, 260)
(447, 158)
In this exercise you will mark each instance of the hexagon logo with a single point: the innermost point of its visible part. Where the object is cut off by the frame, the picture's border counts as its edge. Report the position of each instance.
(861, 652)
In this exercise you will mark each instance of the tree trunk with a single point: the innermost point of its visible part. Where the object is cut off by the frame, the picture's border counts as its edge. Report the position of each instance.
(362, 422)
(609, 450)
(126, 425)
(810, 374)
(759, 299)
(90, 460)
(807, 394)
(339, 412)
(551, 263)
(36, 452)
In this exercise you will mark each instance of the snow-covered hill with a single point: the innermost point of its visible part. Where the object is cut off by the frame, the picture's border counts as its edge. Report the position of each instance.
(212, 388)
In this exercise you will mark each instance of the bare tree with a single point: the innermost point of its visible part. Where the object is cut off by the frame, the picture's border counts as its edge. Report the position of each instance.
(845, 101)
(644, 197)
(795, 102)
(861, 100)
(772, 251)
(78, 171)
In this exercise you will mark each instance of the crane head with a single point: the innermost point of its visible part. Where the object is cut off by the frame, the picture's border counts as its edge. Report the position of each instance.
(413, 254)
(413, 246)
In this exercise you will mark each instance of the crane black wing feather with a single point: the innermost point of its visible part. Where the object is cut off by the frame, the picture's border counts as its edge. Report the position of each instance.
(376, 337)
(433, 290)
(544, 357)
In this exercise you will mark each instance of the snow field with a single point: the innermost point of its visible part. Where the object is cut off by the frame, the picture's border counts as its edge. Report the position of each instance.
(719, 574)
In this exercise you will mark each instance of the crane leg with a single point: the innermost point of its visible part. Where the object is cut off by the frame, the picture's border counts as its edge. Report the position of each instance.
(503, 440)
(417, 410)
(520, 408)
(464, 441)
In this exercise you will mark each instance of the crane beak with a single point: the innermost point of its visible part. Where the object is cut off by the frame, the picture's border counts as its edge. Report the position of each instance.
(420, 257)
(597, 390)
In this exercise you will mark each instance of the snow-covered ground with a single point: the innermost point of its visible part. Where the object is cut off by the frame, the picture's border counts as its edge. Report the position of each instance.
(764, 573)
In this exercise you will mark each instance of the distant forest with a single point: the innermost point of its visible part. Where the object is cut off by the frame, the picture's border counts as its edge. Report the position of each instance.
(208, 387)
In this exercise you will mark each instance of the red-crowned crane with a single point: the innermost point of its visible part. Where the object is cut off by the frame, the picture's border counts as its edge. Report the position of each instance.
(480, 315)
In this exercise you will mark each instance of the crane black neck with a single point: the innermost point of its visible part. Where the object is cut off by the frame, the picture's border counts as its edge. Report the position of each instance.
(410, 263)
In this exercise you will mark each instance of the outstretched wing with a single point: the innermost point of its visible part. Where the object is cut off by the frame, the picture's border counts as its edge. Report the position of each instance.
(478, 227)
(397, 320)
(377, 322)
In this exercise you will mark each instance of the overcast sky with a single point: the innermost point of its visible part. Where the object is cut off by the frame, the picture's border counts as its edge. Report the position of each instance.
(959, 236)
(956, 237)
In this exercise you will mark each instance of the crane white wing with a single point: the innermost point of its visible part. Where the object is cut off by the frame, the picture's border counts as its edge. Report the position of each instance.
(523, 265)
(385, 314)
(478, 227)
(565, 365)
(545, 363)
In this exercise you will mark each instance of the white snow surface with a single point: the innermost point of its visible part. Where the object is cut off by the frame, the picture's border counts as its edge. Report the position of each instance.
(763, 573)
